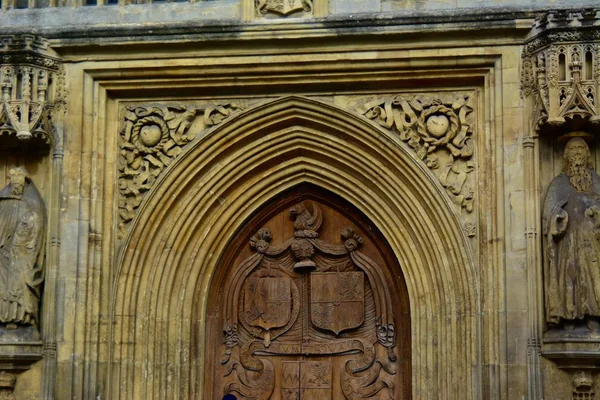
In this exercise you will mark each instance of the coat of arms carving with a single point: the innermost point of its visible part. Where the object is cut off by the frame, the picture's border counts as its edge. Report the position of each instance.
(307, 318)
(268, 301)
(337, 300)
(283, 7)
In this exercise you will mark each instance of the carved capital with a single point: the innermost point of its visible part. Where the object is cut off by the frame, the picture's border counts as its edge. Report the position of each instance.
(32, 89)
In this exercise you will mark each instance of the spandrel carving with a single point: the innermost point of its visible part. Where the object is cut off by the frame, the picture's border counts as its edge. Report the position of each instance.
(22, 222)
(571, 226)
(438, 130)
(151, 138)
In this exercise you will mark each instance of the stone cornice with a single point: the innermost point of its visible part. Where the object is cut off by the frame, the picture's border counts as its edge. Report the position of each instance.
(556, 26)
(70, 29)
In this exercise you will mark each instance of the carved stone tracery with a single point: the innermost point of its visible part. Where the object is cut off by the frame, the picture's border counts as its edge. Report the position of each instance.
(312, 299)
(33, 87)
(561, 68)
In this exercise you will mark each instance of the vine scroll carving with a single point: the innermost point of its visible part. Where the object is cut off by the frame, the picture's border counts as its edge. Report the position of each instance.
(438, 130)
(151, 138)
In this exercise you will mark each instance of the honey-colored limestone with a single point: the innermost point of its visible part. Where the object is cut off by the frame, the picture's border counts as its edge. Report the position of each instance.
(414, 143)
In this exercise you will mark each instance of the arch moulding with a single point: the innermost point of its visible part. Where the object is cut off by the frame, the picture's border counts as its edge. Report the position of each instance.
(168, 260)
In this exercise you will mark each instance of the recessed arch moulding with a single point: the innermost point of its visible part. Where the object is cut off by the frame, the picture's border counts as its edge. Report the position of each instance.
(167, 262)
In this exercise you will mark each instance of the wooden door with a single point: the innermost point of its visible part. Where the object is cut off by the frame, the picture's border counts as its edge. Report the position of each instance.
(309, 304)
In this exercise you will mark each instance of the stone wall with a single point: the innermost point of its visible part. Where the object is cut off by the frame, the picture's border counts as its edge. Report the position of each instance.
(137, 224)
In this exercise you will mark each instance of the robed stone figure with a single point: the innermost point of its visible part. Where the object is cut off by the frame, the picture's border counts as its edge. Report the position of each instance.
(571, 226)
(22, 222)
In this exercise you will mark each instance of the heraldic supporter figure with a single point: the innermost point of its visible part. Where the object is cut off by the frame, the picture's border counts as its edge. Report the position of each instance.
(22, 227)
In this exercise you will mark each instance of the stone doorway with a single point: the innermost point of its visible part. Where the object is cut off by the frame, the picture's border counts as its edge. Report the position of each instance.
(308, 303)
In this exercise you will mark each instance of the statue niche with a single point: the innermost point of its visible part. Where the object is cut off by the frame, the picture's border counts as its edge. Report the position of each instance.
(22, 223)
(571, 226)
(310, 316)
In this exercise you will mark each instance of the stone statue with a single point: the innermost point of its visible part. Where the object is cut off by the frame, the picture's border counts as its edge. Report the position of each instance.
(571, 226)
(22, 223)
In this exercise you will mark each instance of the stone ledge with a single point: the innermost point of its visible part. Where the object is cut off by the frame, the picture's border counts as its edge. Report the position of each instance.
(571, 353)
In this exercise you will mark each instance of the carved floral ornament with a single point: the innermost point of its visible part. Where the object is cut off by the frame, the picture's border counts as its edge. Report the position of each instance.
(32, 85)
(439, 131)
(561, 68)
(152, 137)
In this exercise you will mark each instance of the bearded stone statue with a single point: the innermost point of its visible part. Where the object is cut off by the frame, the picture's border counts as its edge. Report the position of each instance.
(22, 223)
(571, 226)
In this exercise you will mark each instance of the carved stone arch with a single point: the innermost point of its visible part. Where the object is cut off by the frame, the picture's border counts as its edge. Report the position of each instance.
(169, 259)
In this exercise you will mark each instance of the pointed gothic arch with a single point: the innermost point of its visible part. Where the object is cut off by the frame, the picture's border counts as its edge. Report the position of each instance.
(167, 263)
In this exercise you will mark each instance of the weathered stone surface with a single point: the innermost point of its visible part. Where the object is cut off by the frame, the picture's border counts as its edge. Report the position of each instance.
(183, 123)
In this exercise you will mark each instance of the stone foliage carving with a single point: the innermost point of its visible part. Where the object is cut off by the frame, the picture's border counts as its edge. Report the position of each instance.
(283, 7)
(22, 227)
(439, 130)
(32, 88)
(312, 300)
(151, 138)
(571, 226)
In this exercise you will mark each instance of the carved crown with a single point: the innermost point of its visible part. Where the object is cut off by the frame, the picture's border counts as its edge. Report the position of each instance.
(583, 381)
(7, 380)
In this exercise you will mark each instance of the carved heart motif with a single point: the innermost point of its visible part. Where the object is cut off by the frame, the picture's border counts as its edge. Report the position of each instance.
(437, 125)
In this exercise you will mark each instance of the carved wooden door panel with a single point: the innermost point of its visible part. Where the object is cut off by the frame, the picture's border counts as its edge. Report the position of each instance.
(311, 305)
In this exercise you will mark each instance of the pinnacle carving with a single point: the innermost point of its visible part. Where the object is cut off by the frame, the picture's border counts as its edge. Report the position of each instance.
(561, 68)
(151, 138)
(32, 84)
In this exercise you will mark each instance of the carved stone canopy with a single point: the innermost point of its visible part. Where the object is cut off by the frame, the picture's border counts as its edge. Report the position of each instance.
(32, 88)
(561, 69)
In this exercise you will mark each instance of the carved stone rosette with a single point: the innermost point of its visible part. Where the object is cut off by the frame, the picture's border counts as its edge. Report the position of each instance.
(561, 68)
(438, 130)
(33, 85)
(151, 138)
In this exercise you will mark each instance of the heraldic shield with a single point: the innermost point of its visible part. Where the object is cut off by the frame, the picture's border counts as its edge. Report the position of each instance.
(337, 300)
(268, 301)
